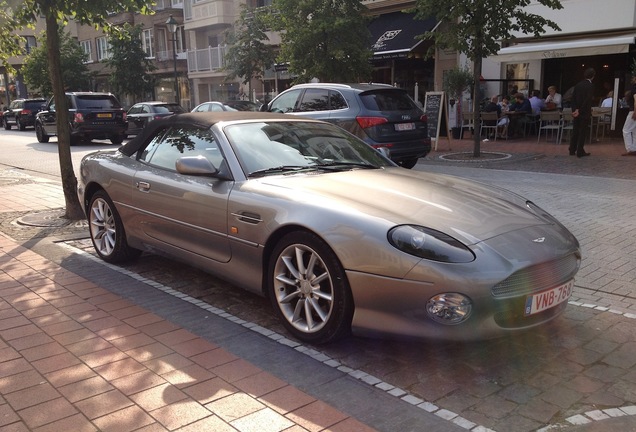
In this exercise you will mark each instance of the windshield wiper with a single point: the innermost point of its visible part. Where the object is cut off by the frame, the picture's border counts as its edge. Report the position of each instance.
(341, 166)
(278, 169)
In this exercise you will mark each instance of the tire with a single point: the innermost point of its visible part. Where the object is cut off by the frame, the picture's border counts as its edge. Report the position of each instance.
(117, 139)
(19, 124)
(40, 134)
(6, 124)
(308, 289)
(408, 163)
(107, 230)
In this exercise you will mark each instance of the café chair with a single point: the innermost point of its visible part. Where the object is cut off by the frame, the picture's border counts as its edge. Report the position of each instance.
(488, 122)
(567, 125)
(550, 122)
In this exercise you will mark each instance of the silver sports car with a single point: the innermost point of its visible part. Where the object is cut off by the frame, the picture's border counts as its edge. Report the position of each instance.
(330, 230)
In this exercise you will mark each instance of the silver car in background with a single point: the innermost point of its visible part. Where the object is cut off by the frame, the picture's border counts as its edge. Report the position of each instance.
(336, 235)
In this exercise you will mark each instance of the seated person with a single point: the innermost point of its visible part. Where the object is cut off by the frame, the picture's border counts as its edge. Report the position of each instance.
(537, 103)
(493, 106)
(554, 99)
(518, 122)
(608, 101)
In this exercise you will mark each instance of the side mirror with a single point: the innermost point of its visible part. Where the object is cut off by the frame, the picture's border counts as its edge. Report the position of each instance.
(199, 166)
(264, 108)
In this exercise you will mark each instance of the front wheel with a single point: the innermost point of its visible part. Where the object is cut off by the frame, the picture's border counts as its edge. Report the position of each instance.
(117, 139)
(107, 230)
(308, 289)
(40, 134)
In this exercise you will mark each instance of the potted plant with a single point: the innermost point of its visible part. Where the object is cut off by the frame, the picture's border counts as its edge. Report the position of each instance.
(455, 82)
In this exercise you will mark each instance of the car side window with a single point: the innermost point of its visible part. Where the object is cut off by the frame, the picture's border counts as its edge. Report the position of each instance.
(216, 108)
(134, 109)
(164, 149)
(336, 100)
(315, 100)
(144, 109)
(286, 102)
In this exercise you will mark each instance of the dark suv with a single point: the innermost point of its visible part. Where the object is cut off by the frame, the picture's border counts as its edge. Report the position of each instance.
(91, 116)
(21, 113)
(382, 115)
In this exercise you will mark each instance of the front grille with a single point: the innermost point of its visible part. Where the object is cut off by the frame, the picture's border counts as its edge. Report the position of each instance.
(538, 277)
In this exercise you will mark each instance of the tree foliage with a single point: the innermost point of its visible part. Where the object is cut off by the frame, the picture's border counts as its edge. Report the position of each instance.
(328, 40)
(127, 54)
(477, 27)
(19, 14)
(75, 73)
(248, 54)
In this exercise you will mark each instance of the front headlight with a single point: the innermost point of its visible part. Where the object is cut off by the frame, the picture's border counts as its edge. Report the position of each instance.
(429, 244)
(449, 308)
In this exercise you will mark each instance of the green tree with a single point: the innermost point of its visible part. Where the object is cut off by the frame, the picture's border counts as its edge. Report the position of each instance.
(328, 40)
(18, 14)
(127, 54)
(477, 27)
(75, 73)
(248, 56)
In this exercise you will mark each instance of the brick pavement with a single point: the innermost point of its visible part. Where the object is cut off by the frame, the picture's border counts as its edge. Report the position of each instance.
(91, 356)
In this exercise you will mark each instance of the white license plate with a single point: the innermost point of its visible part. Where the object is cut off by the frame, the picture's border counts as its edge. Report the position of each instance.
(404, 126)
(548, 299)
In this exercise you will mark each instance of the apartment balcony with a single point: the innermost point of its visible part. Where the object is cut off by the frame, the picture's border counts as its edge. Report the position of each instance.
(210, 13)
(211, 59)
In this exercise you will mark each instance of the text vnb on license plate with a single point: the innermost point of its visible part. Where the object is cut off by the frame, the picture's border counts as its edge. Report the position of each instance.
(548, 299)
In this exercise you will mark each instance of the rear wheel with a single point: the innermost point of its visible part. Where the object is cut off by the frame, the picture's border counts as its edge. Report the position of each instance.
(107, 230)
(117, 139)
(40, 134)
(408, 163)
(309, 289)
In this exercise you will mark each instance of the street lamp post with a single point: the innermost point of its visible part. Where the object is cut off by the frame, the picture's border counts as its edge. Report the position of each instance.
(172, 24)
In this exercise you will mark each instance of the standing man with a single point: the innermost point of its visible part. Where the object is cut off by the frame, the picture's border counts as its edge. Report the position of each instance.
(629, 129)
(582, 112)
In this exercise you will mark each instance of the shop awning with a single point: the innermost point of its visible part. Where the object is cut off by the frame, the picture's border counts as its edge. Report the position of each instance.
(393, 35)
(560, 49)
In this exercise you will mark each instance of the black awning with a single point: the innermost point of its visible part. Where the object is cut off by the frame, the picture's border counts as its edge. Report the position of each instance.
(393, 34)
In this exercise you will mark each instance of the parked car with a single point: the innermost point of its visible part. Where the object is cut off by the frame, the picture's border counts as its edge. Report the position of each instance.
(381, 115)
(336, 235)
(21, 113)
(243, 105)
(141, 113)
(91, 115)
(212, 106)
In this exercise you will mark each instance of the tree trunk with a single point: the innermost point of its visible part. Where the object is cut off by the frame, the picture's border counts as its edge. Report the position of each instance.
(69, 181)
(476, 107)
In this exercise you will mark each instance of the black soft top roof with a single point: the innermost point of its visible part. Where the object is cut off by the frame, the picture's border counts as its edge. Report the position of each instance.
(203, 120)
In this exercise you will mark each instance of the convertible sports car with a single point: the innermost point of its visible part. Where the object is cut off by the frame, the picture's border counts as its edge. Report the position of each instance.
(334, 233)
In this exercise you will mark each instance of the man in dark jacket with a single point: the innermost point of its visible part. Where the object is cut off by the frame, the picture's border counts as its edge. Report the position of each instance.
(582, 112)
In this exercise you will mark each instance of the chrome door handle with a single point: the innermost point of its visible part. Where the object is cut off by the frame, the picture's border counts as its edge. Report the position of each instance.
(143, 186)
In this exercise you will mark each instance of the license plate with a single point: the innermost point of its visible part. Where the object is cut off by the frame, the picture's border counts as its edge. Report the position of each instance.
(104, 115)
(548, 299)
(404, 126)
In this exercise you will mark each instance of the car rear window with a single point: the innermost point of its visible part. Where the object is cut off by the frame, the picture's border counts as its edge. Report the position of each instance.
(383, 100)
(34, 105)
(97, 102)
(169, 108)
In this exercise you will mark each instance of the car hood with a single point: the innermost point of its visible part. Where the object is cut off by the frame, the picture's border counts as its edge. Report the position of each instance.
(470, 211)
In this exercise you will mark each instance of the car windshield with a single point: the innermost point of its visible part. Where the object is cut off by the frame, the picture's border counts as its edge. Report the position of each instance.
(275, 147)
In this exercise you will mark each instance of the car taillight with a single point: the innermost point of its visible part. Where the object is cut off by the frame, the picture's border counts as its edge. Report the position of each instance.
(423, 118)
(367, 122)
(78, 118)
(124, 115)
(25, 112)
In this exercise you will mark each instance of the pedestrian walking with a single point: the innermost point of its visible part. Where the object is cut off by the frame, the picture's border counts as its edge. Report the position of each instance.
(582, 112)
(629, 128)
